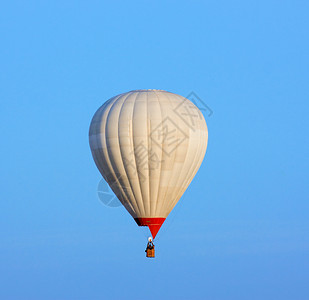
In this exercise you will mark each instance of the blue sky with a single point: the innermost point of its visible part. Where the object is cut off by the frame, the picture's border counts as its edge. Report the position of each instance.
(241, 229)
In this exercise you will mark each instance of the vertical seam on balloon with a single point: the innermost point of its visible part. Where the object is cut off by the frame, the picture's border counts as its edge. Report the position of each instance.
(178, 195)
(98, 130)
(193, 170)
(97, 158)
(94, 128)
(100, 161)
(179, 177)
(137, 94)
(156, 206)
(122, 160)
(169, 179)
(121, 188)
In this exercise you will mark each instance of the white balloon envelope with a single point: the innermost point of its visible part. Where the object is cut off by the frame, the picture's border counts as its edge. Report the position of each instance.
(148, 146)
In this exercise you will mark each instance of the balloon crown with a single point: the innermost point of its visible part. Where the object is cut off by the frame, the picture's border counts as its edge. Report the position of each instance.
(148, 90)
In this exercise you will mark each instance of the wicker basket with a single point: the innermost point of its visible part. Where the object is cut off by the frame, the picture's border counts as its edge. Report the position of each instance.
(150, 252)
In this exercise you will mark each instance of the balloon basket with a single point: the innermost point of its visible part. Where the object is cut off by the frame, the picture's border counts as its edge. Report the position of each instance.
(150, 253)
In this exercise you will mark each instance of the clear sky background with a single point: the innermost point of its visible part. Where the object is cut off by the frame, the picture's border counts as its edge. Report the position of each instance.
(241, 231)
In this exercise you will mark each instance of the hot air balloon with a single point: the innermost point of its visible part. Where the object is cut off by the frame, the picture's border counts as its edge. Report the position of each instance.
(148, 146)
